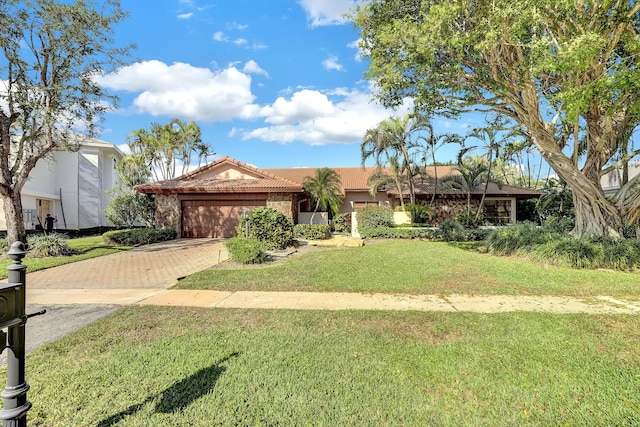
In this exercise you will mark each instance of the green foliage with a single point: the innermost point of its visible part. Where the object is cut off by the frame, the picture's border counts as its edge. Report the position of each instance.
(4, 245)
(568, 251)
(269, 226)
(342, 223)
(555, 206)
(48, 245)
(452, 231)
(312, 231)
(127, 209)
(246, 251)
(509, 240)
(420, 214)
(163, 148)
(374, 216)
(543, 245)
(470, 219)
(325, 191)
(398, 233)
(139, 236)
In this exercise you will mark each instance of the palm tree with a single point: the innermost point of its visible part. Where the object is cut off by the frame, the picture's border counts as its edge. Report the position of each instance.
(390, 143)
(325, 190)
(471, 176)
(433, 143)
(492, 145)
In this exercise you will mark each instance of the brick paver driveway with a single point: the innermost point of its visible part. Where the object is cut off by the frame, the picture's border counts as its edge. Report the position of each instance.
(158, 265)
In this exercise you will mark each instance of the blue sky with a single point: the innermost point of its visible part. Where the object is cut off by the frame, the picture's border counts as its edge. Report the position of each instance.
(273, 83)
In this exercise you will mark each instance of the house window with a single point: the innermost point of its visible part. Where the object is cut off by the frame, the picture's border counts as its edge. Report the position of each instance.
(359, 205)
(497, 211)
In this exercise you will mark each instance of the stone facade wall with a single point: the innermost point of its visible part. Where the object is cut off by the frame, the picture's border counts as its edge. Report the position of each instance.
(450, 208)
(168, 212)
(284, 203)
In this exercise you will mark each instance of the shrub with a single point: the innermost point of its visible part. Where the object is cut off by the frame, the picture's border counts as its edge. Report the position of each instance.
(342, 223)
(452, 231)
(374, 216)
(621, 254)
(569, 251)
(139, 236)
(312, 231)
(420, 214)
(509, 240)
(4, 245)
(46, 245)
(268, 226)
(246, 251)
(559, 224)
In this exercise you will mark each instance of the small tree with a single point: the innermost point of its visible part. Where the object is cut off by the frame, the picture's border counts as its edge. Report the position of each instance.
(324, 188)
(52, 53)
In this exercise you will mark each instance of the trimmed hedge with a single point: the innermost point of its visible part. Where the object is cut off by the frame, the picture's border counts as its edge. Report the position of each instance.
(374, 216)
(246, 251)
(139, 236)
(312, 231)
(268, 226)
(398, 233)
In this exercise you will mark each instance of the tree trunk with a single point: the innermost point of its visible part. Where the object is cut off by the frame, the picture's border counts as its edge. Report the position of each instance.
(595, 214)
(13, 216)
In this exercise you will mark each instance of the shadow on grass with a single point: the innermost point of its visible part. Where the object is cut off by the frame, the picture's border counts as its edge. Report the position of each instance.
(179, 395)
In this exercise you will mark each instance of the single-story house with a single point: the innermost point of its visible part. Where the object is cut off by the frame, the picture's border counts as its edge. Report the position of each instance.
(71, 186)
(209, 201)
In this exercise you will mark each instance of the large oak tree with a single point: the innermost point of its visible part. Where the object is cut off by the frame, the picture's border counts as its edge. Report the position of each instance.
(52, 53)
(565, 71)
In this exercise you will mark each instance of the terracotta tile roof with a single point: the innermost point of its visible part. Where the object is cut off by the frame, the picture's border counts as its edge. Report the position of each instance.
(290, 180)
(191, 183)
(353, 179)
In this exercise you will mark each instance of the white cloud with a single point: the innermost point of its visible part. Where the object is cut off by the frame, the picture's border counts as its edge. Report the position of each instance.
(235, 26)
(327, 12)
(220, 37)
(360, 55)
(332, 63)
(183, 90)
(252, 67)
(185, 15)
(318, 118)
(240, 41)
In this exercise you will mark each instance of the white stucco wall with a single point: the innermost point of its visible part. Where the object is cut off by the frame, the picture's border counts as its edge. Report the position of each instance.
(75, 184)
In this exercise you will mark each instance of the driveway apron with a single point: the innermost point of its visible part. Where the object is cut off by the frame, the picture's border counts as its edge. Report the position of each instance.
(125, 277)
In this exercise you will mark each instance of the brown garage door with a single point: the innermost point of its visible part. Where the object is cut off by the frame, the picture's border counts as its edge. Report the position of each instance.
(214, 218)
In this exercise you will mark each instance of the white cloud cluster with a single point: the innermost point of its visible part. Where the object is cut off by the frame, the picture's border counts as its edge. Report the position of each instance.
(327, 12)
(341, 116)
(185, 15)
(332, 64)
(306, 115)
(184, 90)
(252, 67)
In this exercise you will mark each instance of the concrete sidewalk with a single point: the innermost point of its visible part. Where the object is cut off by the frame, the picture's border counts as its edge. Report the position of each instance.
(356, 301)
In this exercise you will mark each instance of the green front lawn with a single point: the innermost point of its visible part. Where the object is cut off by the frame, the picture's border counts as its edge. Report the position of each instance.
(85, 248)
(416, 267)
(153, 366)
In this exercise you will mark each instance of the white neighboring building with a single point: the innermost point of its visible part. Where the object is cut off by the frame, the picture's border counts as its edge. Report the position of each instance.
(72, 187)
(612, 181)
